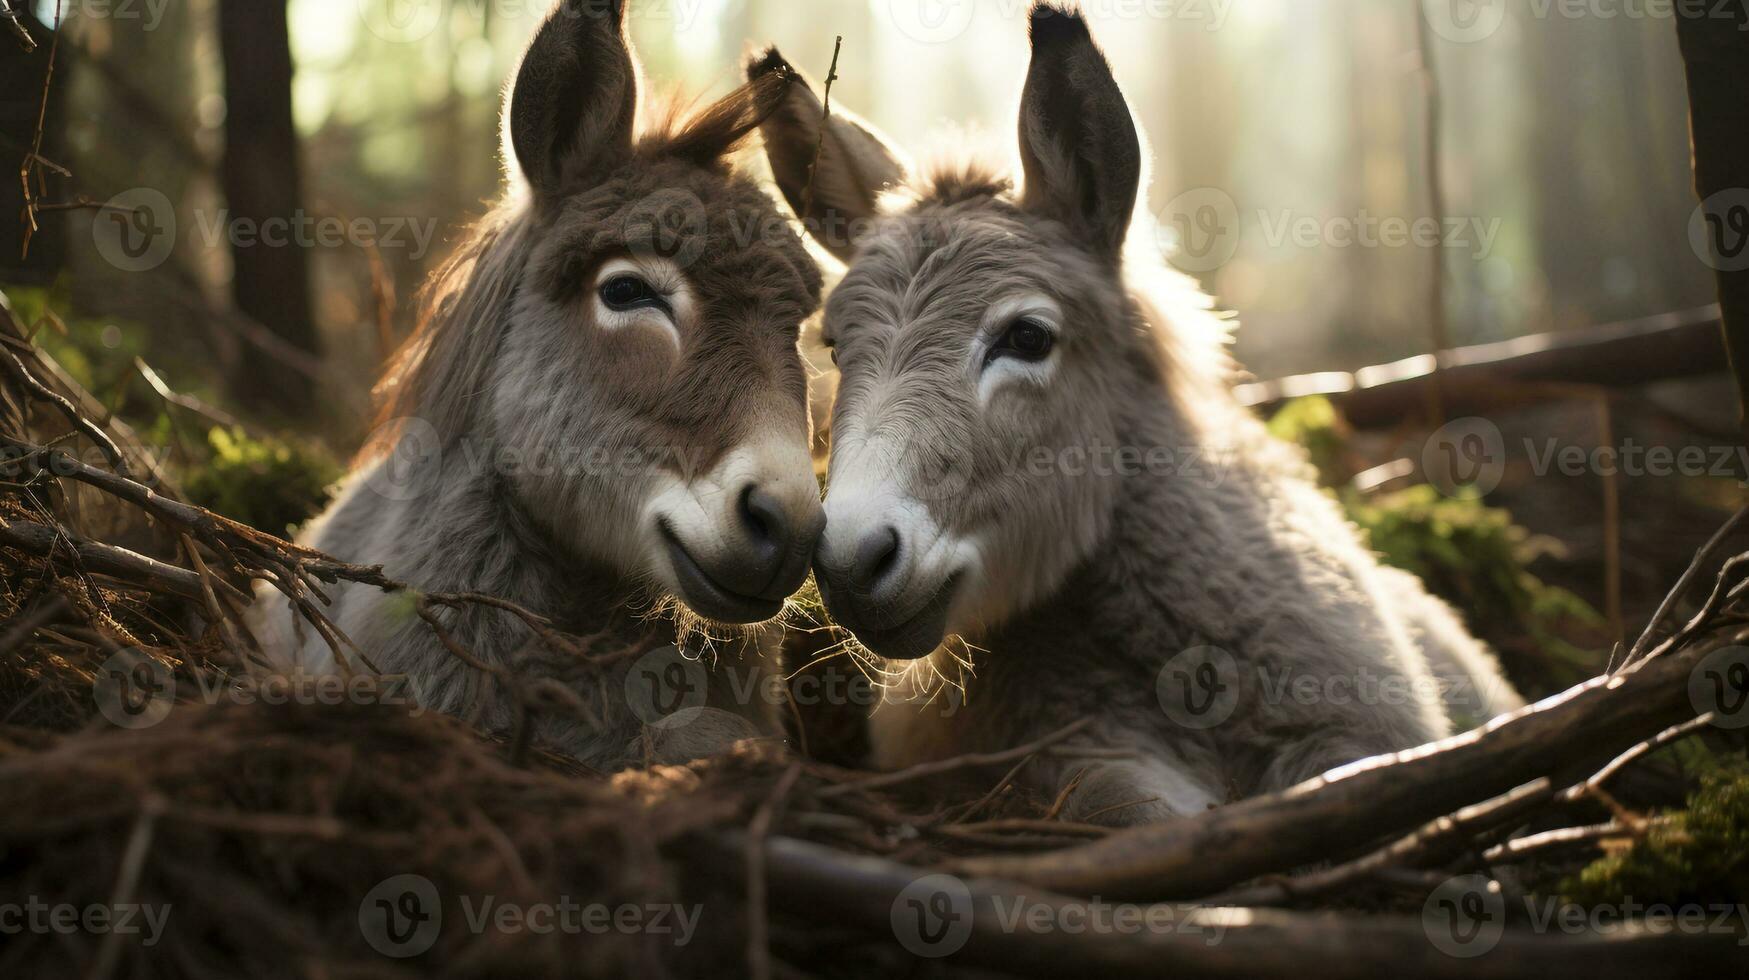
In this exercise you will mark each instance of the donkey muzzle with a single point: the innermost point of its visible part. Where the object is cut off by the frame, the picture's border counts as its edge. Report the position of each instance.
(873, 588)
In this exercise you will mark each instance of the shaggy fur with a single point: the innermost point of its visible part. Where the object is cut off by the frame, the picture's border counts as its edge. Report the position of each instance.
(532, 450)
(1084, 589)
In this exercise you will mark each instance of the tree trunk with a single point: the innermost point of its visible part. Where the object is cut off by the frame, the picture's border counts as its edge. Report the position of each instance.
(1715, 53)
(270, 279)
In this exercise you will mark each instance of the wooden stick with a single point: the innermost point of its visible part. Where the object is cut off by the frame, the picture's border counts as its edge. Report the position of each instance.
(1351, 807)
(1002, 930)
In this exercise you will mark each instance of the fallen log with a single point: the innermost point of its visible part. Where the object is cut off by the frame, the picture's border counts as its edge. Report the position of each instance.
(1634, 352)
(1032, 931)
(1343, 811)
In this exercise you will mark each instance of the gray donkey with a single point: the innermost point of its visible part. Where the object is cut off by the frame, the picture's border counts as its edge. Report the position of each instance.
(603, 410)
(1034, 450)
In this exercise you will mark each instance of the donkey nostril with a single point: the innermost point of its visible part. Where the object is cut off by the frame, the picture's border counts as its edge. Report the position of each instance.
(876, 555)
(763, 516)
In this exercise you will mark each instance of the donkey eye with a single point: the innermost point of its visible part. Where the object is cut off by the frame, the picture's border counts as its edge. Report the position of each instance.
(628, 292)
(1025, 339)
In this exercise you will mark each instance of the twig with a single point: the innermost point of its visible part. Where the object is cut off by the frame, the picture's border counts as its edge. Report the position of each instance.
(1430, 147)
(104, 559)
(1001, 784)
(820, 138)
(969, 760)
(1335, 813)
(1063, 794)
(1521, 847)
(1430, 842)
(43, 614)
(127, 881)
(1658, 741)
(825, 885)
(758, 919)
(1680, 589)
(34, 158)
(17, 26)
(189, 402)
(91, 430)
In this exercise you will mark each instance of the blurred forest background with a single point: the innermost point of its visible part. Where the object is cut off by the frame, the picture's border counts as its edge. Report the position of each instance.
(1563, 160)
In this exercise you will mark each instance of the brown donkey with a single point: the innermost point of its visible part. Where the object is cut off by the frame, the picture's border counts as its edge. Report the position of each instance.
(1034, 448)
(604, 409)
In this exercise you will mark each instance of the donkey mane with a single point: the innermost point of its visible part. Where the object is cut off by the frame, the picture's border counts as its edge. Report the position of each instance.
(441, 366)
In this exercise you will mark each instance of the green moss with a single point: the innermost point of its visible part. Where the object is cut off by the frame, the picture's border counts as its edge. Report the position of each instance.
(1699, 854)
(271, 484)
(1314, 424)
(1467, 553)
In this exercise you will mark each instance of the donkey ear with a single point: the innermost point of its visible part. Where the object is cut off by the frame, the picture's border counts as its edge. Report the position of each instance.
(576, 95)
(1078, 146)
(831, 182)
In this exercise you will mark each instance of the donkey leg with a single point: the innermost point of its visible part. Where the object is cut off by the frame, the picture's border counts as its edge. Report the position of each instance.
(1473, 687)
(1130, 792)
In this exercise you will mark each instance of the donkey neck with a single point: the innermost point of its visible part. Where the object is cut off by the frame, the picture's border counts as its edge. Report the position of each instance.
(1175, 543)
(471, 534)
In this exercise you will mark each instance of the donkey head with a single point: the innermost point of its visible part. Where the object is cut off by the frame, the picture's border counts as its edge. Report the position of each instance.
(985, 346)
(622, 333)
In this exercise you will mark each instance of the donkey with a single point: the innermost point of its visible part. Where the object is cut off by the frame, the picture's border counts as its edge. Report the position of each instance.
(1035, 450)
(602, 417)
